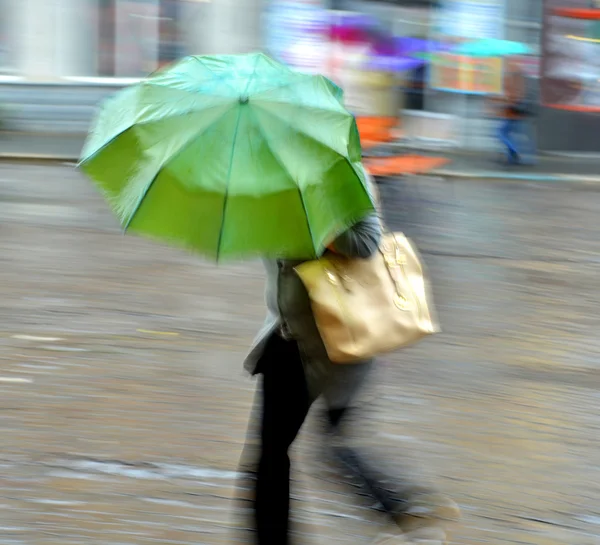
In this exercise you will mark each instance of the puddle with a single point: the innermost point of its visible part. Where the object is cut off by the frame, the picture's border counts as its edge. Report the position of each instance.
(397, 437)
(76, 475)
(145, 470)
(16, 380)
(40, 339)
(172, 503)
(180, 503)
(590, 519)
(57, 502)
(32, 368)
(199, 472)
(63, 349)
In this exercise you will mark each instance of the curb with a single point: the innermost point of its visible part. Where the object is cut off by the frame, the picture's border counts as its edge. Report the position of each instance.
(37, 157)
(516, 176)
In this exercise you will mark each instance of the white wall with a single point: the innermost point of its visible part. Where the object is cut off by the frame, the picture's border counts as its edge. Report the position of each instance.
(36, 47)
(233, 26)
(77, 38)
(52, 38)
(56, 38)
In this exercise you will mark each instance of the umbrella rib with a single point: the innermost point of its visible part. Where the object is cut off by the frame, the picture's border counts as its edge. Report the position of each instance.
(341, 111)
(256, 96)
(178, 115)
(139, 203)
(252, 76)
(184, 93)
(215, 75)
(225, 197)
(179, 152)
(302, 79)
(342, 157)
(284, 167)
(303, 133)
(310, 233)
(235, 134)
(140, 124)
(351, 165)
(284, 85)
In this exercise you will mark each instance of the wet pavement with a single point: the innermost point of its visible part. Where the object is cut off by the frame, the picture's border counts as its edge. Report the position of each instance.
(124, 408)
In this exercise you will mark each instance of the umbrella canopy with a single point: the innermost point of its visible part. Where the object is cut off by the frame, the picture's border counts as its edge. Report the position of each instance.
(385, 52)
(406, 45)
(231, 156)
(351, 27)
(491, 48)
(393, 63)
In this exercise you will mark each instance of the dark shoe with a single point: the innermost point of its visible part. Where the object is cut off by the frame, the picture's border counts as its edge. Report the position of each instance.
(514, 158)
(504, 161)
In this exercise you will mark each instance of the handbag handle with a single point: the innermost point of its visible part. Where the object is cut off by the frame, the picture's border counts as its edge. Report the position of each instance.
(392, 263)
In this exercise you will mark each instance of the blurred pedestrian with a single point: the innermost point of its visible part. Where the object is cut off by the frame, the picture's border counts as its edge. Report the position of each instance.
(514, 130)
(295, 370)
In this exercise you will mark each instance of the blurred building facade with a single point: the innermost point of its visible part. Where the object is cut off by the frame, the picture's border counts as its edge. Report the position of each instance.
(45, 40)
(102, 44)
(523, 22)
(42, 40)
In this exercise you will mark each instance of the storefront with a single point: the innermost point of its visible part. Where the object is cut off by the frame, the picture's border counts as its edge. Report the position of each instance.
(570, 77)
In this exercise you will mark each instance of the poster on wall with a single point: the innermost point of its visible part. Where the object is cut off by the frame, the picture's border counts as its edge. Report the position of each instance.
(570, 71)
(296, 33)
(473, 75)
(471, 19)
(460, 20)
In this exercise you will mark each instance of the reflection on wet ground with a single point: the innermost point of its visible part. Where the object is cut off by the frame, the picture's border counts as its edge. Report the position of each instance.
(124, 408)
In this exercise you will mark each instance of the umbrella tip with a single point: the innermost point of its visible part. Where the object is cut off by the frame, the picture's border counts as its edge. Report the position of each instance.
(244, 99)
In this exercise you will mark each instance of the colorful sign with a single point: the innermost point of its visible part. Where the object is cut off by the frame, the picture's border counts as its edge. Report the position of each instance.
(471, 75)
(461, 20)
(570, 71)
(471, 19)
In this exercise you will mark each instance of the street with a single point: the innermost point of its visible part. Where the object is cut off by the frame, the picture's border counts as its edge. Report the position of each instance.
(124, 405)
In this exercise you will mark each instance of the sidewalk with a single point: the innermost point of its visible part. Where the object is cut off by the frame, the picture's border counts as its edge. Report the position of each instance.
(52, 147)
(127, 407)
(45, 147)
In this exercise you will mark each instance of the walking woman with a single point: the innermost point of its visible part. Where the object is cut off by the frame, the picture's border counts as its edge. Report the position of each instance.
(513, 131)
(294, 370)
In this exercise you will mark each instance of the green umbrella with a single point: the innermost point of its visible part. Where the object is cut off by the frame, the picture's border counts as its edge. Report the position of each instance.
(231, 156)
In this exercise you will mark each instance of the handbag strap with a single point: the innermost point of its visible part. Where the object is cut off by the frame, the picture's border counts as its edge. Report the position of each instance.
(393, 263)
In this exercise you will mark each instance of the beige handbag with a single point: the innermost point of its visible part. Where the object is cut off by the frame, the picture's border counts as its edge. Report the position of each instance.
(367, 307)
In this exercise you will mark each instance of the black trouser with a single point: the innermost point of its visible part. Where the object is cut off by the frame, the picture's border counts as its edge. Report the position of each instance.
(285, 404)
